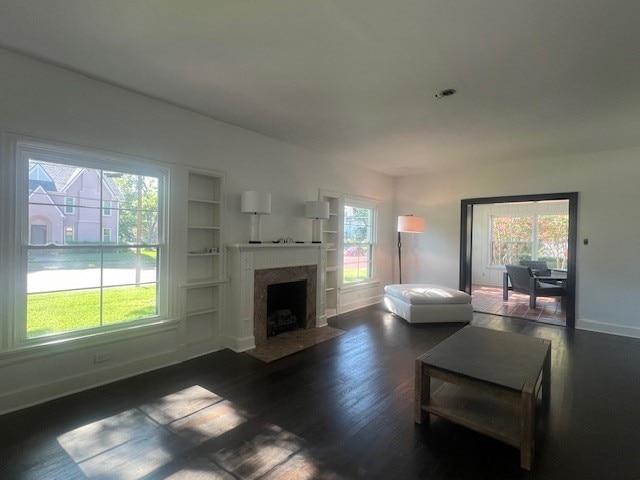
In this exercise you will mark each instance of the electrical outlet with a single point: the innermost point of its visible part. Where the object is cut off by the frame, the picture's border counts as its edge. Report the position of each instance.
(101, 357)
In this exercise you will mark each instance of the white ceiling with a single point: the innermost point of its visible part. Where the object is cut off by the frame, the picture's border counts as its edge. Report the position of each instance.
(355, 79)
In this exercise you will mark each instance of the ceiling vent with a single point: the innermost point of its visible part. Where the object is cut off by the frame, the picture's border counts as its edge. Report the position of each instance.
(445, 93)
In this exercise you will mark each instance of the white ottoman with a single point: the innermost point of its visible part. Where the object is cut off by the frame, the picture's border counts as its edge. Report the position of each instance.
(424, 303)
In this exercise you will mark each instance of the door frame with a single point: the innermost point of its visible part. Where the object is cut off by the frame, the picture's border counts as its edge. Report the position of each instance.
(466, 240)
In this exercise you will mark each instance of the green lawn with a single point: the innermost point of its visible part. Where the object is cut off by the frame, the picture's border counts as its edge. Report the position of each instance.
(354, 274)
(59, 312)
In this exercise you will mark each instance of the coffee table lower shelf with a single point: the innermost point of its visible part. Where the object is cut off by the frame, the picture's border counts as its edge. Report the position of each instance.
(493, 416)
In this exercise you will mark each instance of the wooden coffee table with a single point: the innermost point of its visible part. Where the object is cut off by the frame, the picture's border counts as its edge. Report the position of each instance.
(492, 380)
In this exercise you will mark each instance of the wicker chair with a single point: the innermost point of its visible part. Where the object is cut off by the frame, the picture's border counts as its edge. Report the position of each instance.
(523, 281)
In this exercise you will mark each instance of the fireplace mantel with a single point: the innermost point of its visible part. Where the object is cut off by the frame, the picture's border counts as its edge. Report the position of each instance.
(243, 259)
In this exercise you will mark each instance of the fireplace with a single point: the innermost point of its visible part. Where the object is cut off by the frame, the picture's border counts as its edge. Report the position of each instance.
(279, 295)
(286, 307)
(251, 268)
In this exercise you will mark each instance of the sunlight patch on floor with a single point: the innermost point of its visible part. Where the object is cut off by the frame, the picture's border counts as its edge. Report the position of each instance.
(158, 438)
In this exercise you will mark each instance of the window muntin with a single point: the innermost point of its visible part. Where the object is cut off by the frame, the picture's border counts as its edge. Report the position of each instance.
(358, 241)
(92, 272)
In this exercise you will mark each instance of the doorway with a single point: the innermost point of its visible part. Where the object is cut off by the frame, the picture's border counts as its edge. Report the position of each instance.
(38, 234)
(473, 208)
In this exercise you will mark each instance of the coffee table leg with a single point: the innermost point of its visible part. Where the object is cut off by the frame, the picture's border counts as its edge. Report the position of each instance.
(528, 427)
(422, 392)
(546, 379)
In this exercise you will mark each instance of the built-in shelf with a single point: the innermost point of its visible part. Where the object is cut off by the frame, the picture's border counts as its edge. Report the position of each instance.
(204, 257)
(204, 282)
(330, 229)
(200, 200)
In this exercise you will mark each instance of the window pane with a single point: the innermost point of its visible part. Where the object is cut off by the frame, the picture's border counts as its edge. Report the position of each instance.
(134, 207)
(356, 262)
(553, 239)
(59, 312)
(126, 266)
(511, 239)
(58, 269)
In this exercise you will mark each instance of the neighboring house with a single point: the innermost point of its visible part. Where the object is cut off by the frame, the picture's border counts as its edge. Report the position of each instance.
(68, 205)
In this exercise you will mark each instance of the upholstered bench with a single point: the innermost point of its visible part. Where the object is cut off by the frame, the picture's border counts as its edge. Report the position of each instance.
(424, 303)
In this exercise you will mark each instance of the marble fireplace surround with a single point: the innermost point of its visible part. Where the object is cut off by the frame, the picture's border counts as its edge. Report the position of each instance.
(273, 276)
(245, 262)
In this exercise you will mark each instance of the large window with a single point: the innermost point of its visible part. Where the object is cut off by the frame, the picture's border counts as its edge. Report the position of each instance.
(358, 241)
(530, 237)
(85, 269)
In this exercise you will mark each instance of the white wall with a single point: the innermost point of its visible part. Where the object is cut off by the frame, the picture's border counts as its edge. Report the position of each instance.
(608, 269)
(53, 104)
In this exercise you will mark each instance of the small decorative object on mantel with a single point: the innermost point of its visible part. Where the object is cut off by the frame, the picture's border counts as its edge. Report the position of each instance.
(318, 211)
(257, 204)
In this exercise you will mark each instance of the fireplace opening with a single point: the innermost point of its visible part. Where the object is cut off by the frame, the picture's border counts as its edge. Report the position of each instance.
(286, 307)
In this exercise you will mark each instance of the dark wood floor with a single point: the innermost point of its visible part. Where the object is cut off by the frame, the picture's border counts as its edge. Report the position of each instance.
(341, 409)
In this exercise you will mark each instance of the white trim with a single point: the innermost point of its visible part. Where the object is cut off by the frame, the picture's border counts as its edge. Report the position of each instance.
(609, 328)
(25, 149)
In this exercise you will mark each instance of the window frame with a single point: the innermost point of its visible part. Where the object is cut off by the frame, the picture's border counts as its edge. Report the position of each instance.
(19, 149)
(370, 204)
(535, 238)
(106, 232)
(106, 210)
(69, 206)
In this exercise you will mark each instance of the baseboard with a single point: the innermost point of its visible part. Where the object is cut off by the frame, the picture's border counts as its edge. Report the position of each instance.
(594, 326)
(239, 345)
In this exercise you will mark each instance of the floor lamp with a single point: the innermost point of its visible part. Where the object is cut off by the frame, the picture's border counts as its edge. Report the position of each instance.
(407, 224)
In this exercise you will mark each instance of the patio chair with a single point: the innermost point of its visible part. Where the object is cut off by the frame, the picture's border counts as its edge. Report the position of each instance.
(523, 281)
(541, 270)
(538, 267)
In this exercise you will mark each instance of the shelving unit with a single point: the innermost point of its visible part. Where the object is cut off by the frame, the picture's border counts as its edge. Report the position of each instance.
(205, 263)
(330, 236)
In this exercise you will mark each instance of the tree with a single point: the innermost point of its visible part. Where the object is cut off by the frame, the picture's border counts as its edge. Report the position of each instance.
(138, 208)
(553, 234)
(510, 239)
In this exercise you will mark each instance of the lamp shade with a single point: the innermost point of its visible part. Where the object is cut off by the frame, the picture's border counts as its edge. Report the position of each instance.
(410, 224)
(255, 202)
(316, 209)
